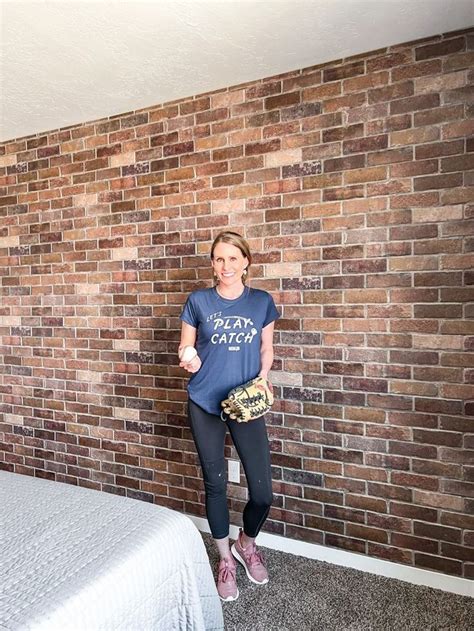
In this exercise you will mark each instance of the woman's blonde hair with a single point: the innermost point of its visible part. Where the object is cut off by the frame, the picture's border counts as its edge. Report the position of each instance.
(233, 238)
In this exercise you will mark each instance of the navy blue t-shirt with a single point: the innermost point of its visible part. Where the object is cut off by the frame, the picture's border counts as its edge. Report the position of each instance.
(229, 334)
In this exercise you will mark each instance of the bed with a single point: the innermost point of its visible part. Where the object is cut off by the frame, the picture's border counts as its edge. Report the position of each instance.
(74, 559)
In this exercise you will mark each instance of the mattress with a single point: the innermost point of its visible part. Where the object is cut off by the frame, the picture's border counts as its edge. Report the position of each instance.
(74, 559)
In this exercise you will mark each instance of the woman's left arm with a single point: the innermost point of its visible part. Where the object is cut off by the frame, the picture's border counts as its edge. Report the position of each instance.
(266, 350)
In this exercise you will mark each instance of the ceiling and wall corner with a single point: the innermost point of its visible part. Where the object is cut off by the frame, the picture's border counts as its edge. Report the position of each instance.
(63, 63)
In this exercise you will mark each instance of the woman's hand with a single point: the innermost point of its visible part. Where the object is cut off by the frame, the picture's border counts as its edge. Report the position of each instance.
(187, 350)
(264, 374)
(193, 366)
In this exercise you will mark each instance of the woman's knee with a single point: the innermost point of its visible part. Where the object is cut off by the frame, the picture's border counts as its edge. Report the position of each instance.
(215, 478)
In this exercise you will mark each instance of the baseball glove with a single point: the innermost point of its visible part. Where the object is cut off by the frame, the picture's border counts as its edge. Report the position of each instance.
(249, 401)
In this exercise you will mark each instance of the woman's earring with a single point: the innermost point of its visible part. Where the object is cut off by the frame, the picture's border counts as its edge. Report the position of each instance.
(216, 279)
(244, 273)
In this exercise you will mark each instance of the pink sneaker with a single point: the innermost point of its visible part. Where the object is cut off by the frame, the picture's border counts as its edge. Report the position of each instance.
(251, 560)
(226, 584)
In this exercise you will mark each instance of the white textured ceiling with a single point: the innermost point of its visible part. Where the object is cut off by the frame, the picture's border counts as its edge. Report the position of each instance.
(73, 61)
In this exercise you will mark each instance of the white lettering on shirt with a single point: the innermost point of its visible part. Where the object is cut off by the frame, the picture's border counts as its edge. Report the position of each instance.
(232, 322)
(233, 330)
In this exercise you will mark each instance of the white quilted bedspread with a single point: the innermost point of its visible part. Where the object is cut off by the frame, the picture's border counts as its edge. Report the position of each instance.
(73, 559)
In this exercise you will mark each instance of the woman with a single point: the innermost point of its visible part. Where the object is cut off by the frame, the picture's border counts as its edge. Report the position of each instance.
(231, 326)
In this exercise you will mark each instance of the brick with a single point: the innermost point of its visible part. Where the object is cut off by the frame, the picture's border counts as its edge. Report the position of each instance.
(366, 533)
(282, 214)
(456, 551)
(344, 72)
(353, 100)
(414, 543)
(300, 111)
(414, 103)
(304, 169)
(286, 157)
(390, 156)
(164, 139)
(259, 120)
(414, 136)
(387, 188)
(457, 129)
(457, 520)
(455, 487)
(262, 147)
(419, 69)
(346, 192)
(414, 512)
(306, 78)
(391, 60)
(438, 500)
(390, 93)
(438, 181)
(326, 525)
(360, 83)
(459, 61)
(134, 120)
(178, 148)
(391, 123)
(436, 150)
(362, 145)
(391, 554)
(438, 115)
(457, 163)
(441, 83)
(343, 164)
(290, 136)
(458, 195)
(263, 89)
(408, 169)
(345, 543)
(439, 564)
(191, 107)
(228, 180)
(311, 126)
(417, 200)
(369, 174)
(342, 455)
(343, 133)
(440, 49)
(163, 165)
(109, 151)
(389, 491)
(282, 100)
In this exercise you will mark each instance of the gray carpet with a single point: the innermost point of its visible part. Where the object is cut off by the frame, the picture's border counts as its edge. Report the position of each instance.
(308, 595)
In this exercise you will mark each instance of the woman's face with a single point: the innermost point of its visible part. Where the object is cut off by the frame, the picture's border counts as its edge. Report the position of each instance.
(228, 264)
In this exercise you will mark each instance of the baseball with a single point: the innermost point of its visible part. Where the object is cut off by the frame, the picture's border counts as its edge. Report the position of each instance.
(188, 354)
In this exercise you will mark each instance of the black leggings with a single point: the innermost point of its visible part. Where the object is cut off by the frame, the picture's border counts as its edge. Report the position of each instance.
(251, 442)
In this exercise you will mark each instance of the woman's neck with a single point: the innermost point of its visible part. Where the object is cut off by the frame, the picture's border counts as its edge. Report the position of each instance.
(231, 293)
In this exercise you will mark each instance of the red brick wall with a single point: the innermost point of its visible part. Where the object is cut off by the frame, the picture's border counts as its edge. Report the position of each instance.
(353, 183)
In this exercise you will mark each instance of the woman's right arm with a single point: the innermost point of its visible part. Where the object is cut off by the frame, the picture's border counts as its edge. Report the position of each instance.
(188, 338)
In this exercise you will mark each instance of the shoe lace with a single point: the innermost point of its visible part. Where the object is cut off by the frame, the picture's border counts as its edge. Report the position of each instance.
(254, 557)
(226, 572)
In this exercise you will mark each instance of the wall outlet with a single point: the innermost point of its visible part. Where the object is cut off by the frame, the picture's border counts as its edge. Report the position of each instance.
(233, 468)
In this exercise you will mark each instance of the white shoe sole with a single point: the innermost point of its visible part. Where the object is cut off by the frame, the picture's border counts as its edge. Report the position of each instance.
(242, 562)
(229, 598)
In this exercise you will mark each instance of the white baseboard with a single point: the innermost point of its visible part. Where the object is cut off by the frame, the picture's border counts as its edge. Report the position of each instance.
(414, 575)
